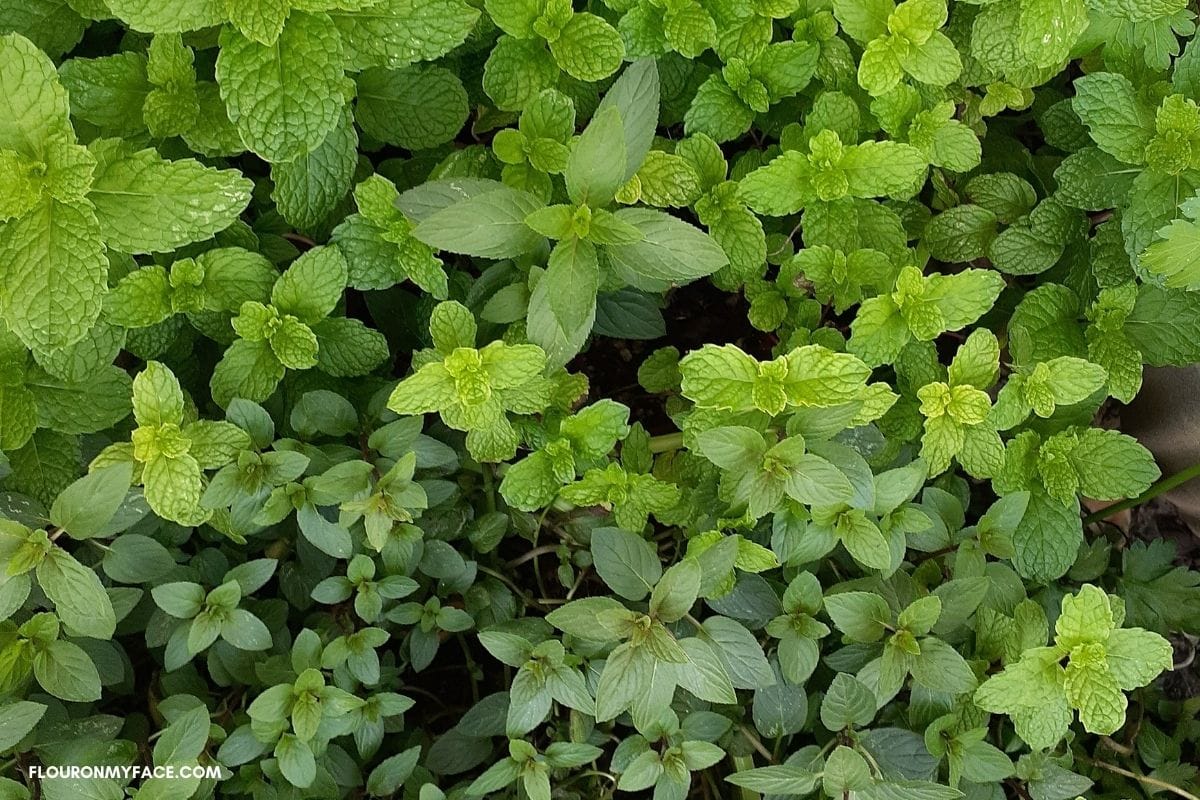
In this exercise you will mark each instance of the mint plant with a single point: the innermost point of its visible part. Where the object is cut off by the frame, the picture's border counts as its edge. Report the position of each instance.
(542, 400)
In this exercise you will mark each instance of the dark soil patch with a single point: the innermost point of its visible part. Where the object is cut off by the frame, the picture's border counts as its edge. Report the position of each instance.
(1159, 519)
(696, 314)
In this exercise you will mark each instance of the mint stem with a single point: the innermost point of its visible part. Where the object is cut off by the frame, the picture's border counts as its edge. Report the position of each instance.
(1161, 487)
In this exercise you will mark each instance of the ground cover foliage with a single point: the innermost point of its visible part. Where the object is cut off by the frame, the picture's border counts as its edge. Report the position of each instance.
(627, 398)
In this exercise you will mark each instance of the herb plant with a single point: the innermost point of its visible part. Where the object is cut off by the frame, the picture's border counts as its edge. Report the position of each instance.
(548, 400)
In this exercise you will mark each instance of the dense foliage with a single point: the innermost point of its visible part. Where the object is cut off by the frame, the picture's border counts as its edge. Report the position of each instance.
(317, 313)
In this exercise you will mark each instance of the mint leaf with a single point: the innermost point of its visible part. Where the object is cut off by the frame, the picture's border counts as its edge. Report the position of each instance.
(415, 108)
(147, 204)
(287, 97)
(51, 260)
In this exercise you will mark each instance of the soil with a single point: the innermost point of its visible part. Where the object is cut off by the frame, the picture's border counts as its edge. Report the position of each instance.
(696, 314)
(1159, 519)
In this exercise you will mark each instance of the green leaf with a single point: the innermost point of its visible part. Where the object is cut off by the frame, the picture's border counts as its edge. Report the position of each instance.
(85, 508)
(961, 234)
(783, 779)
(1047, 538)
(1135, 657)
(64, 670)
(53, 273)
(860, 615)
(626, 562)
(517, 71)
(109, 91)
(883, 169)
(347, 347)
(388, 776)
(635, 95)
(260, 20)
(1118, 119)
(173, 489)
(588, 48)
(490, 223)
(184, 739)
(18, 719)
(287, 97)
(146, 204)
(864, 21)
(414, 108)
(53, 25)
(309, 190)
(629, 314)
(909, 790)
(134, 558)
(245, 631)
(740, 652)
(35, 107)
(717, 112)
(296, 761)
(845, 771)
(249, 370)
(1049, 29)
(395, 33)
(1112, 465)
(151, 17)
(848, 702)
(671, 251)
(562, 308)
(157, 398)
(675, 594)
(18, 416)
(941, 668)
(181, 599)
(703, 674)
(312, 285)
(596, 166)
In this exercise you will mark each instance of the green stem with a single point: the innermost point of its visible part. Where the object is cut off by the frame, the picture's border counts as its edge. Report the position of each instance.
(668, 441)
(1163, 486)
(741, 764)
(488, 487)
(757, 744)
(517, 590)
(471, 666)
(1149, 780)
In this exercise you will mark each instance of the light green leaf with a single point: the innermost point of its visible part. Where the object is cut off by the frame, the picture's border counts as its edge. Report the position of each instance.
(848, 702)
(860, 615)
(16, 720)
(395, 33)
(588, 48)
(312, 285)
(1119, 120)
(490, 223)
(34, 106)
(79, 597)
(64, 670)
(672, 252)
(53, 274)
(287, 97)
(147, 204)
(676, 592)
(85, 508)
(596, 166)
(150, 16)
(562, 308)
